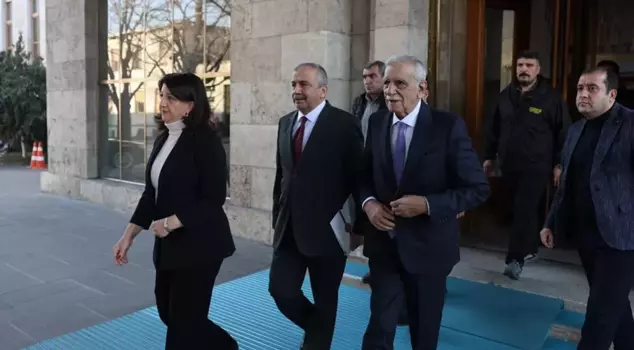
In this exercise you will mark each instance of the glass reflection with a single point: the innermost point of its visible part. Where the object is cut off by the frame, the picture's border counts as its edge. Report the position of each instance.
(159, 39)
(146, 40)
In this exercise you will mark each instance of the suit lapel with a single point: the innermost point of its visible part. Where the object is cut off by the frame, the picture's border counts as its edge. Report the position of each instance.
(422, 137)
(608, 133)
(286, 142)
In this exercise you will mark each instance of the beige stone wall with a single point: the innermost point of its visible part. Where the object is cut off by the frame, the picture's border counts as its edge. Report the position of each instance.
(269, 38)
(399, 27)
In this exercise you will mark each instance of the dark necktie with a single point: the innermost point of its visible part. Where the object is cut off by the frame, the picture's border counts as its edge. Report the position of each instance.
(299, 140)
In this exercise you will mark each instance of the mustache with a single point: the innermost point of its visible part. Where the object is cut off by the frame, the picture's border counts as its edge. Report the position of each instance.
(524, 75)
(298, 97)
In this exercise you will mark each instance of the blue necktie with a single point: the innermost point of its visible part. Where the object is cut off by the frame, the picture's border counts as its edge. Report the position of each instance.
(399, 150)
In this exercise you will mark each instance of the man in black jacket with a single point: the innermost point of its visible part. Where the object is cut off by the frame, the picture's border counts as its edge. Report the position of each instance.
(372, 99)
(526, 133)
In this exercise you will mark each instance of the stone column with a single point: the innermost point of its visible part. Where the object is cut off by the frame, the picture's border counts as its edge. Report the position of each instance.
(269, 38)
(399, 27)
(72, 77)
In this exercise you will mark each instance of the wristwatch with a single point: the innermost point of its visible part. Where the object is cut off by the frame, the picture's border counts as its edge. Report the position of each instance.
(166, 227)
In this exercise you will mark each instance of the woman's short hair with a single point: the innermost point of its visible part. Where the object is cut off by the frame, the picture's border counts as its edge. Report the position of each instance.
(188, 87)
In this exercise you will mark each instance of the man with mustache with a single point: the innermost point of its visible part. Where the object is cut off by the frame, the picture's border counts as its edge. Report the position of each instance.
(363, 106)
(319, 160)
(595, 205)
(420, 172)
(526, 133)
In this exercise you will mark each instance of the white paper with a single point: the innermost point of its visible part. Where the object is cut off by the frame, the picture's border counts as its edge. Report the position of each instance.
(338, 224)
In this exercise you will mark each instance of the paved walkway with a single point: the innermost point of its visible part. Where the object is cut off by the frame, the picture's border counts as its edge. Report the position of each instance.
(56, 269)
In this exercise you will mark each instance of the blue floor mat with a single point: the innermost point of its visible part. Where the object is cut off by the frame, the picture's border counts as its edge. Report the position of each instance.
(356, 269)
(472, 321)
(493, 312)
(556, 344)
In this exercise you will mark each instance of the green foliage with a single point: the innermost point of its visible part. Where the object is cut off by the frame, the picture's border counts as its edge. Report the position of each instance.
(22, 95)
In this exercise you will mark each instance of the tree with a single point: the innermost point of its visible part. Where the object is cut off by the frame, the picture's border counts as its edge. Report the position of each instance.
(22, 96)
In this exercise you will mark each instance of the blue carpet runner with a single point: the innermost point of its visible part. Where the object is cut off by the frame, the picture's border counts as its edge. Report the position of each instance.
(476, 317)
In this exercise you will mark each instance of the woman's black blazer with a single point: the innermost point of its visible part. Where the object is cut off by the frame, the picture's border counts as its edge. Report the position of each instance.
(192, 185)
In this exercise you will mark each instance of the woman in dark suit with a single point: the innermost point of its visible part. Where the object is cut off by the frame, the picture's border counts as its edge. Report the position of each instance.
(185, 189)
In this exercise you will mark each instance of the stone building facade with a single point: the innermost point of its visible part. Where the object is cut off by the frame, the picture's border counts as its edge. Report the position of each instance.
(269, 37)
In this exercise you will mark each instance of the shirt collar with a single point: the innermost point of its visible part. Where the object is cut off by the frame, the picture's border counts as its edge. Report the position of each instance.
(314, 114)
(409, 119)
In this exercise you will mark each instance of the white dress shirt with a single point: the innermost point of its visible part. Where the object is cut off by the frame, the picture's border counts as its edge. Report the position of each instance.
(311, 120)
(174, 131)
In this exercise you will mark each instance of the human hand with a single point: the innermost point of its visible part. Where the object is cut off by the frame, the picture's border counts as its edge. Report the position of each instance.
(556, 176)
(460, 215)
(409, 206)
(546, 236)
(488, 167)
(379, 215)
(120, 250)
(158, 228)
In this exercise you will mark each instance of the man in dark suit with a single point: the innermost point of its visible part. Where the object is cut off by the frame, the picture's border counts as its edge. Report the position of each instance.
(595, 204)
(420, 173)
(319, 159)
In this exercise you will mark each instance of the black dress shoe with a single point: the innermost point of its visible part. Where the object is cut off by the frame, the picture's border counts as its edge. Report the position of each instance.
(366, 278)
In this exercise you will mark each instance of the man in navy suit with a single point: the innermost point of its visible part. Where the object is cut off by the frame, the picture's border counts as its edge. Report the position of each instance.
(594, 203)
(420, 172)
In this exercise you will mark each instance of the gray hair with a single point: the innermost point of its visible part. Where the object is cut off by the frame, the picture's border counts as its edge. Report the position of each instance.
(420, 72)
(322, 76)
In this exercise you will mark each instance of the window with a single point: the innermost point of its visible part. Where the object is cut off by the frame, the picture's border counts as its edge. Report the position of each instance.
(147, 40)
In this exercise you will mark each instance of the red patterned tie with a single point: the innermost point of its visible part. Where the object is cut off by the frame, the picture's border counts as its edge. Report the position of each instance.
(299, 140)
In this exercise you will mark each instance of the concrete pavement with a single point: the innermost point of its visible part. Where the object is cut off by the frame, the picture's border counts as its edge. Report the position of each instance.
(56, 269)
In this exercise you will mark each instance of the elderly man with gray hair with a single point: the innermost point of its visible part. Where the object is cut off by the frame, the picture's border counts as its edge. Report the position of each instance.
(420, 173)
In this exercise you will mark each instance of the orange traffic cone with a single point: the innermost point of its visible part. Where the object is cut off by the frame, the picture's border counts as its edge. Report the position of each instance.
(37, 156)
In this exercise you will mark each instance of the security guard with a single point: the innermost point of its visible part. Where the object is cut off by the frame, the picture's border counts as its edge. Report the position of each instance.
(526, 134)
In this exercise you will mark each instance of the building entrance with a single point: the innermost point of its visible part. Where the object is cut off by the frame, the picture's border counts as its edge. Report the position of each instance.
(569, 36)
